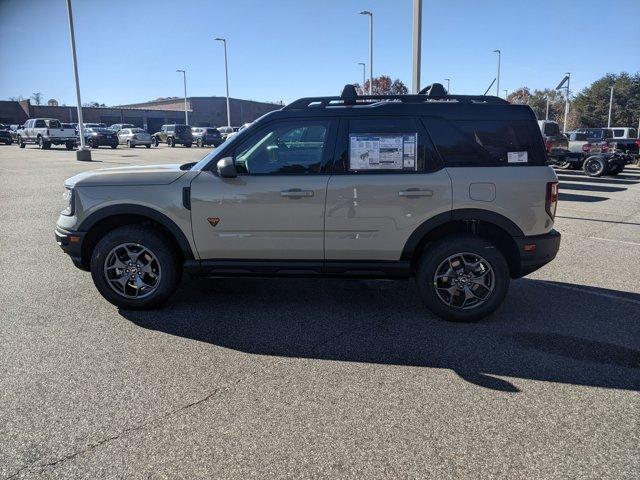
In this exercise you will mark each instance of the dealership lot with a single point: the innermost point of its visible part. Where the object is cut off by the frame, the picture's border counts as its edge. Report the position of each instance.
(292, 378)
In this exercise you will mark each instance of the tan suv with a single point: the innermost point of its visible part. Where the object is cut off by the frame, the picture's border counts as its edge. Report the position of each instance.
(451, 190)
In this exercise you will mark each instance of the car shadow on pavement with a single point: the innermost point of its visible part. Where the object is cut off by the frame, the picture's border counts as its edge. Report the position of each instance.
(544, 331)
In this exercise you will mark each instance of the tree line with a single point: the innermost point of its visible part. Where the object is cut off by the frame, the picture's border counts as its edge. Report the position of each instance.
(590, 106)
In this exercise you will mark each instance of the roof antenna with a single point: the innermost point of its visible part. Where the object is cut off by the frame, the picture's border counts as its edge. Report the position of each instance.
(349, 94)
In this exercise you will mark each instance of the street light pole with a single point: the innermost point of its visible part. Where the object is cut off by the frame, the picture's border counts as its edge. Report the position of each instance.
(498, 77)
(226, 75)
(566, 103)
(448, 80)
(417, 45)
(610, 105)
(83, 153)
(546, 117)
(364, 68)
(366, 12)
(505, 93)
(186, 114)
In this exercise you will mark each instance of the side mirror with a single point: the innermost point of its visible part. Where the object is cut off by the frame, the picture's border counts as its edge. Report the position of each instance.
(226, 168)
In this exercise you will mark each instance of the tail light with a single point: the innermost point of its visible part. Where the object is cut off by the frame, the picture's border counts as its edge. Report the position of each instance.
(586, 148)
(47, 132)
(638, 144)
(548, 144)
(551, 201)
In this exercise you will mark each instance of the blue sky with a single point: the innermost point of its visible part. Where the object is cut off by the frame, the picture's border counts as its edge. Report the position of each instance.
(284, 49)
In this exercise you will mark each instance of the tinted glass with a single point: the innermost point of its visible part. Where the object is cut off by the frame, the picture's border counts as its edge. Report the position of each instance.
(618, 133)
(551, 129)
(485, 142)
(284, 148)
(183, 129)
(39, 124)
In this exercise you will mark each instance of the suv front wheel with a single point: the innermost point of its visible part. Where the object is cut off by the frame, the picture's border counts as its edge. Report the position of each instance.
(135, 267)
(462, 278)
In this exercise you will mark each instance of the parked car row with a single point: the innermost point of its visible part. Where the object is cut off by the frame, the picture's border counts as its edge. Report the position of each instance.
(597, 151)
(46, 132)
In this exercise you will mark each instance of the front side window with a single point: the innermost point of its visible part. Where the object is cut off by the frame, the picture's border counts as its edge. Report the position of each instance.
(285, 148)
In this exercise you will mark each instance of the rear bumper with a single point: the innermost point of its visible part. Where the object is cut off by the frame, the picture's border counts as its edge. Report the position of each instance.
(71, 243)
(546, 248)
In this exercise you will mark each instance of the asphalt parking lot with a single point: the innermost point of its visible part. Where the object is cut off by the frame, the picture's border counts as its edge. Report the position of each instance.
(252, 378)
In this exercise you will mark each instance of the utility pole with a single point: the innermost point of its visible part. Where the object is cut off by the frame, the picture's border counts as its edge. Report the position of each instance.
(448, 80)
(364, 68)
(505, 93)
(417, 45)
(566, 103)
(186, 114)
(82, 153)
(498, 76)
(226, 74)
(366, 12)
(546, 117)
(610, 106)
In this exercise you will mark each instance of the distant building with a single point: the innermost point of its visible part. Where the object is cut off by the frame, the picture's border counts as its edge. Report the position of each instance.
(203, 112)
(52, 102)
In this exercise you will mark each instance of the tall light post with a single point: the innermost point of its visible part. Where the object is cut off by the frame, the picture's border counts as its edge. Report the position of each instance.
(610, 106)
(83, 153)
(505, 93)
(226, 75)
(186, 114)
(366, 12)
(364, 69)
(566, 79)
(498, 76)
(417, 45)
(448, 80)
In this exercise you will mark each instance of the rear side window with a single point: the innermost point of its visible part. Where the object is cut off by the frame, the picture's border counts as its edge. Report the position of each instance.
(183, 129)
(551, 129)
(39, 124)
(464, 143)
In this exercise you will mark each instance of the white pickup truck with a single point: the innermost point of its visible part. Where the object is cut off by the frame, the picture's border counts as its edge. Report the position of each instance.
(45, 132)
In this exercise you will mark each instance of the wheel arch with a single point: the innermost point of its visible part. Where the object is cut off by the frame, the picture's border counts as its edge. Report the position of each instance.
(492, 226)
(108, 218)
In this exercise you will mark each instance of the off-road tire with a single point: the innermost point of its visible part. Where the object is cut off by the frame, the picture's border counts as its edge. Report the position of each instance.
(595, 166)
(161, 248)
(436, 253)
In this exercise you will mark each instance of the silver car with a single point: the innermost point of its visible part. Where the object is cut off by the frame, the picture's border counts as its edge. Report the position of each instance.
(133, 137)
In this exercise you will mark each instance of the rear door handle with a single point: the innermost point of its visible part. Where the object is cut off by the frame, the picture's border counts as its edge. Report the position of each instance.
(296, 193)
(415, 192)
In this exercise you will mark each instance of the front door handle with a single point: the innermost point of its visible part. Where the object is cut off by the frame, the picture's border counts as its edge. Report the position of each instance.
(415, 192)
(296, 193)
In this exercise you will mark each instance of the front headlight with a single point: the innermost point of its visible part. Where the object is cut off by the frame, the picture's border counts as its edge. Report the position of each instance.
(69, 199)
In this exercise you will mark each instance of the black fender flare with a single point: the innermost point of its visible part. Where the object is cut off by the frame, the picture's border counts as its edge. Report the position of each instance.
(488, 216)
(142, 211)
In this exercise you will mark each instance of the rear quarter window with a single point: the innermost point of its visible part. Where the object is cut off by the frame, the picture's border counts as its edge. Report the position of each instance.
(463, 143)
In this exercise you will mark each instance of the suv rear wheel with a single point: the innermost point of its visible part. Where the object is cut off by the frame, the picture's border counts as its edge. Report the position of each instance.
(462, 278)
(135, 267)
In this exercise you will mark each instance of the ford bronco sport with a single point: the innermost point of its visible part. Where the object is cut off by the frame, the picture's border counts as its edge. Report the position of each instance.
(451, 190)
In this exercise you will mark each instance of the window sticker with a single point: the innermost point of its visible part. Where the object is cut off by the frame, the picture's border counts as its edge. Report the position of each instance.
(382, 151)
(517, 157)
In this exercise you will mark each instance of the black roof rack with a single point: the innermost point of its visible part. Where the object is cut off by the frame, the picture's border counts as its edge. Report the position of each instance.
(431, 93)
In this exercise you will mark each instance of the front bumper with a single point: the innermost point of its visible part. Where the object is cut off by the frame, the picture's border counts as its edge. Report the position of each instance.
(532, 258)
(71, 244)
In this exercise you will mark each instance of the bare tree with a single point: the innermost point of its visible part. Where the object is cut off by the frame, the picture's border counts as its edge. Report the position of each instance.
(37, 98)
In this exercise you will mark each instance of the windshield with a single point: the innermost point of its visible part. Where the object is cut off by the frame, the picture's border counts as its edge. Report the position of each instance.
(137, 130)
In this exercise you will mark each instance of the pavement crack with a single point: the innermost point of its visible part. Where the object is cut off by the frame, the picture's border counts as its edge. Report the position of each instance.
(141, 426)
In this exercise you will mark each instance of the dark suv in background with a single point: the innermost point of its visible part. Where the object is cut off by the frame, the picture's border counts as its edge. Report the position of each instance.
(172, 135)
(203, 136)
